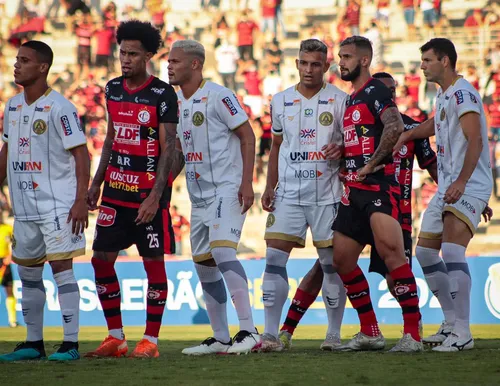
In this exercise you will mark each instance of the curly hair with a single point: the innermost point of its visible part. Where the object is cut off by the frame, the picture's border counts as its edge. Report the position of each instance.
(143, 31)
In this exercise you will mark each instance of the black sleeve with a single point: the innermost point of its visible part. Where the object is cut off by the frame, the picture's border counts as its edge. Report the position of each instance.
(425, 155)
(167, 106)
(380, 98)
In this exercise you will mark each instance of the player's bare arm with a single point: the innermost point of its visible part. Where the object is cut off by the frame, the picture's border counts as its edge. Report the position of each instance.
(3, 162)
(247, 139)
(424, 130)
(432, 170)
(393, 127)
(179, 160)
(78, 213)
(167, 138)
(267, 199)
(95, 189)
(471, 126)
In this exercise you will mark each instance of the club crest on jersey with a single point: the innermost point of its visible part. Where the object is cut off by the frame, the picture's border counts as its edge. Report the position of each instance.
(442, 116)
(39, 126)
(271, 219)
(326, 118)
(198, 118)
(308, 112)
(403, 151)
(144, 116)
(356, 116)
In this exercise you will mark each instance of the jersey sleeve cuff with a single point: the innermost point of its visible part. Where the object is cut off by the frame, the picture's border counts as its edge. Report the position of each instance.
(277, 133)
(75, 146)
(467, 112)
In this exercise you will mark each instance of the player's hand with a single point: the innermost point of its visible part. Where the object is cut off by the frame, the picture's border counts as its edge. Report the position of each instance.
(403, 138)
(367, 169)
(147, 210)
(79, 214)
(93, 196)
(454, 192)
(267, 200)
(246, 196)
(342, 174)
(487, 213)
(333, 151)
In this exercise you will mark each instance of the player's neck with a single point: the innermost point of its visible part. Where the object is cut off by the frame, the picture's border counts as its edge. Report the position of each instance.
(189, 89)
(448, 80)
(34, 91)
(360, 81)
(136, 82)
(309, 92)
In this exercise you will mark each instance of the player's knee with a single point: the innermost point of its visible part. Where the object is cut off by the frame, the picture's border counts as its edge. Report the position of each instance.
(61, 265)
(282, 245)
(208, 263)
(313, 279)
(105, 256)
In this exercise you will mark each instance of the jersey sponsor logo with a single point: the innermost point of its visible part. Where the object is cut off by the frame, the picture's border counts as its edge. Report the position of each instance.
(473, 98)
(364, 130)
(15, 108)
(236, 232)
(158, 91)
(308, 174)
(293, 103)
(44, 109)
(106, 216)
(144, 116)
(345, 196)
(78, 122)
(141, 100)
(440, 150)
(163, 108)
(185, 113)
(75, 239)
(124, 186)
(459, 96)
(24, 145)
(25, 186)
(122, 177)
(328, 102)
(66, 126)
(201, 100)
(307, 136)
(127, 133)
(369, 89)
(188, 138)
(192, 175)
(129, 113)
(26, 119)
(442, 116)
(378, 106)
(356, 116)
(117, 99)
(350, 136)
(326, 118)
(123, 160)
(116, 82)
(468, 206)
(307, 156)
(308, 112)
(150, 152)
(27, 166)
(194, 157)
(230, 106)
(377, 202)
(350, 164)
(198, 118)
(39, 126)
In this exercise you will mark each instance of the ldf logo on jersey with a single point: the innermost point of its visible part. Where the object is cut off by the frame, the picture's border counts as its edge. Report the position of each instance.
(144, 116)
(27, 185)
(106, 216)
(459, 96)
(350, 136)
(66, 126)
(27, 167)
(308, 112)
(305, 156)
(24, 145)
(128, 134)
(308, 174)
(230, 106)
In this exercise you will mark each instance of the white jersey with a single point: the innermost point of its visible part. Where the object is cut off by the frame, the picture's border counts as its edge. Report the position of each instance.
(460, 98)
(305, 177)
(41, 169)
(212, 152)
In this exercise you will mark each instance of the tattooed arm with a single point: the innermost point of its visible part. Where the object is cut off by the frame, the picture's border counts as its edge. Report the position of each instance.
(149, 206)
(179, 161)
(393, 127)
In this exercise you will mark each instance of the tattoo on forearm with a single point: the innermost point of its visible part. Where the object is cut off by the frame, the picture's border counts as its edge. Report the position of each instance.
(104, 162)
(165, 162)
(393, 127)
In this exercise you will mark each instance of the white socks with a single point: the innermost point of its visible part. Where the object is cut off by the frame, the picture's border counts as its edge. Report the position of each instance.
(274, 289)
(69, 300)
(33, 301)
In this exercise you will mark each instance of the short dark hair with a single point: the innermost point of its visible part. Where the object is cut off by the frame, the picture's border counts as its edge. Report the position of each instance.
(143, 31)
(43, 51)
(442, 47)
(360, 42)
(313, 45)
(382, 75)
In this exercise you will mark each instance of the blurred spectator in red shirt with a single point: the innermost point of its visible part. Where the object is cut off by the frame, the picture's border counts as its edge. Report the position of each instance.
(104, 40)
(246, 28)
(472, 76)
(181, 226)
(83, 31)
(409, 7)
(414, 112)
(412, 81)
(352, 15)
(269, 16)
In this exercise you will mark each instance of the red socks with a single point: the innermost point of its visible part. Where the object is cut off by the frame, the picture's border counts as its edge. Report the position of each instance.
(156, 297)
(108, 290)
(300, 303)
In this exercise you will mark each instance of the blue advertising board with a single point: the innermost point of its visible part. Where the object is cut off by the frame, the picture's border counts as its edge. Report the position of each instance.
(185, 301)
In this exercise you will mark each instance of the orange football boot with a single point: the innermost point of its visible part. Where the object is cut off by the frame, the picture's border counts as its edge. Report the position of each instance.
(145, 349)
(110, 347)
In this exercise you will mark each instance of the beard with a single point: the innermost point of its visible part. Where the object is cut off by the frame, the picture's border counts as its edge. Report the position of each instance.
(352, 75)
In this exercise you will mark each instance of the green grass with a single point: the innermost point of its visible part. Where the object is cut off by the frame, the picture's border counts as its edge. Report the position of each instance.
(305, 364)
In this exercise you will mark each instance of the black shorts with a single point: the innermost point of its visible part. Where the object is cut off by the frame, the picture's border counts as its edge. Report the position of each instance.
(246, 50)
(83, 55)
(353, 218)
(116, 230)
(265, 144)
(102, 60)
(7, 278)
(377, 264)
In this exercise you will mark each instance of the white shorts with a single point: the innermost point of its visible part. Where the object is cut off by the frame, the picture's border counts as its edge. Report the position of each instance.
(290, 222)
(35, 242)
(467, 208)
(216, 225)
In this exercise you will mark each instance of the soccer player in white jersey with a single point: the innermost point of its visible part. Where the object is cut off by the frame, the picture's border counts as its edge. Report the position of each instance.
(219, 149)
(303, 189)
(465, 185)
(46, 160)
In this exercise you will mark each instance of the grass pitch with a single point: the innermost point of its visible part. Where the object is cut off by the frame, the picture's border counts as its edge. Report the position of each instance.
(305, 364)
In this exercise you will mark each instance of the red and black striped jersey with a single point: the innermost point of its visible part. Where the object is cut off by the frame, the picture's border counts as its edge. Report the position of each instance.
(362, 133)
(136, 116)
(422, 150)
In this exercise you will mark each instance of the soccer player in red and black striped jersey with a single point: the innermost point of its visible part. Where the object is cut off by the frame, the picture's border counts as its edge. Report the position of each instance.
(369, 211)
(137, 165)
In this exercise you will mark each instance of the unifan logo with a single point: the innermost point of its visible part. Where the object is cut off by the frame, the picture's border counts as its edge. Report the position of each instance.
(305, 156)
(194, 157)
(27, 167)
